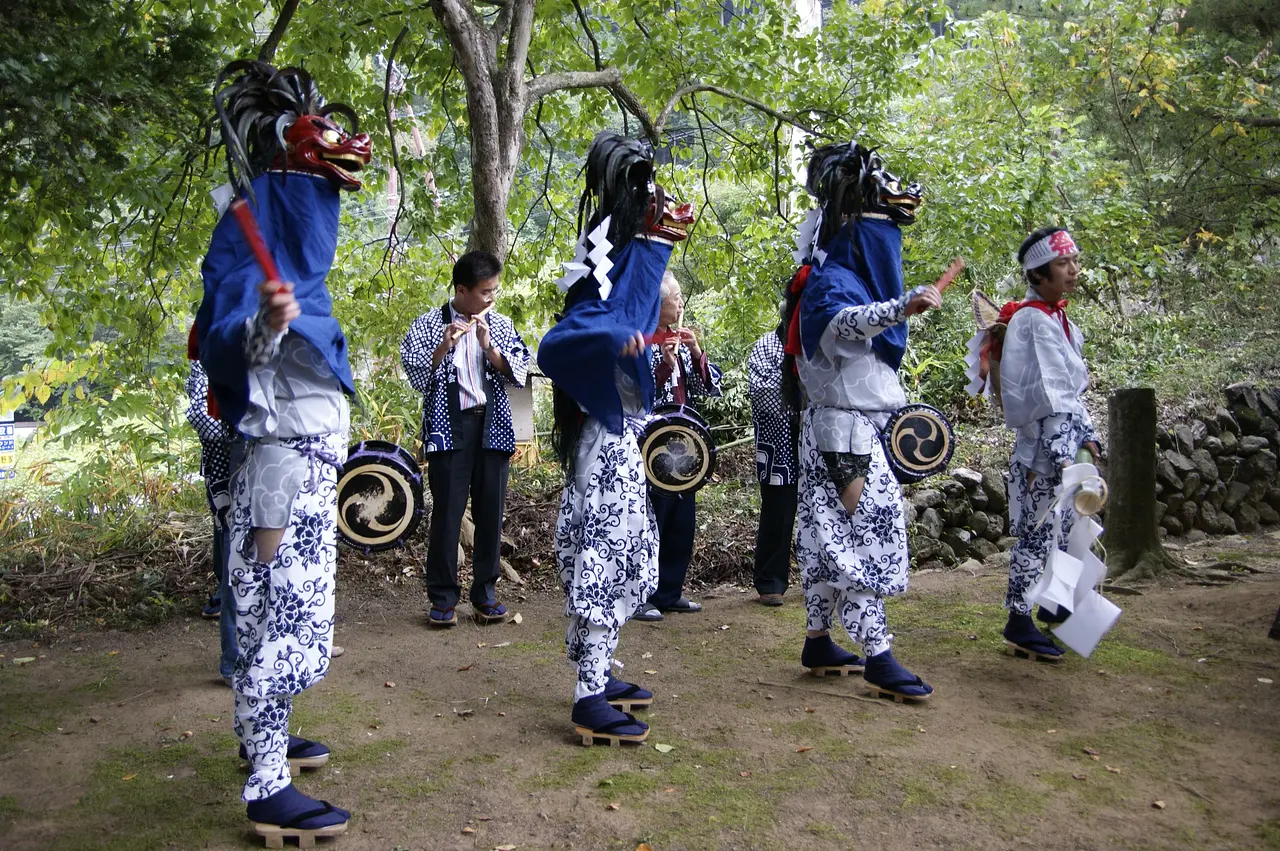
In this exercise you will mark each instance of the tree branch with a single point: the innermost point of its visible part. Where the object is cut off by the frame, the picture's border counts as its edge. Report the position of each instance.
(268, 50)
(692, 88)
(540, 87)
(521, 33)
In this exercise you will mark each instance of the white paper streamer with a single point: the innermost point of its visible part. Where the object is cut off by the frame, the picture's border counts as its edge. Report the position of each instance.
(598, 254)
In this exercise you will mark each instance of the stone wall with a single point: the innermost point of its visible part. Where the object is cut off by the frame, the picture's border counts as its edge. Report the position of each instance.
(1217, 475)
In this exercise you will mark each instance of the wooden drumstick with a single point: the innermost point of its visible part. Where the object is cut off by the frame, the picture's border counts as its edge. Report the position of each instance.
(956, 267)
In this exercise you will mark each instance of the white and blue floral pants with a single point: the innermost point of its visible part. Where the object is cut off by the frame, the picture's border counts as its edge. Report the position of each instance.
(848, 565)
(1027, 502)
(283, 608)
(606, 548)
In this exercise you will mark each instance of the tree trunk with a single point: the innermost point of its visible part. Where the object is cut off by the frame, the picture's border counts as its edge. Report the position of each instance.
(1132, 537)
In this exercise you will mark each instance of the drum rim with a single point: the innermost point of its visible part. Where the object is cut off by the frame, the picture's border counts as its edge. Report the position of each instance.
(697, 425)
(408, 474)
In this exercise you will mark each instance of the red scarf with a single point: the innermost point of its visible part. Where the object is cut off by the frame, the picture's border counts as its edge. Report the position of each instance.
(994, 348)
(193, 353)
(798, 281)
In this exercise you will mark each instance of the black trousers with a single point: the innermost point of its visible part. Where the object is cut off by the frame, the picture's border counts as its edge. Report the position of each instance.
(677, 517)
(482, 473)
(774, 537)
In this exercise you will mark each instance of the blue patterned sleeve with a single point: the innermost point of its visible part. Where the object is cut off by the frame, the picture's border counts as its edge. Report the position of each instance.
(207, 428)
(866, 321)
(1062, 435)
(517, 355)
(261, 341)
(416, 350)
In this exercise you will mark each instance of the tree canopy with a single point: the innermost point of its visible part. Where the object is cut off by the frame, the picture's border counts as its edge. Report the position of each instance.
(1151, 129)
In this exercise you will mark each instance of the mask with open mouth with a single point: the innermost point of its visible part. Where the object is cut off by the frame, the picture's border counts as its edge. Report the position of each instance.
(276, 118)
(318, 144)
(665, 218)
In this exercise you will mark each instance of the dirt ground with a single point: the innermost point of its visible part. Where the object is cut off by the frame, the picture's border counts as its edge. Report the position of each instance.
(1168, 737)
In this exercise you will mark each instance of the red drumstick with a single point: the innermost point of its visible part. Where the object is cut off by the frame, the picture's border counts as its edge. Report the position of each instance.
(956, 267)
(253, 236)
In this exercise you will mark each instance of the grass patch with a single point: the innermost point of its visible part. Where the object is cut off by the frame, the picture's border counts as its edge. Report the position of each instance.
(568, 770)
(370, 753)
(1121, 658)
(627, 784)
(1269, 832)
(1008, 805)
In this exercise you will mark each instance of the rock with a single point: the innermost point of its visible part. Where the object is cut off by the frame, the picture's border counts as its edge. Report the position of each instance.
(1175, 501)
(958, 539)
(979, 498)
(1228, 524)
(1267, 515)
(1250, 421)
(1195, 536)
(1211, 426)
(1182, 435)
(1191, 486)
(1165, 439)
(1167, 474)
(999, 561)
(1226, 423)
(1260, 465)
(1187, 514)
(1230, 443)
(982, 548)
(1207, 519)
(1199, 431)
(1161, 509)
(1269, 429)
(946, 555)
(1227, 465)
(993, 485)
(952, 489)
(932, 564)
(1159, 489)
(1252, 444)
(1242, 395)
(1273, 498)
(971, 479)
(955, 511)
(1217, 494)
(978, 523)
(1257, 490)
(909, 512)
(1205, 465)
(1006, 544)
(1172, 524)
(927, 498)
(1246, 518)
(1162, 533)
(1180, 462)
(1235, 494)
(1212, 445)
(972, 565)
(930, 523)
(1269, 403)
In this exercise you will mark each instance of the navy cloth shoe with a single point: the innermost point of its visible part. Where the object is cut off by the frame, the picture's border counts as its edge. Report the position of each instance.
(885, 674)
(822, 652)
(1021, 632)
(289, 808)
(1044, 616)
(595, 714)
(630, 695)
(212, 609)
(299, 749)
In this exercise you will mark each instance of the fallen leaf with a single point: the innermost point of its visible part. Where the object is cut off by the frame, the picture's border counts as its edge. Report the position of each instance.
(643, 846)
(484, 818)
(1159, 805)
(651, 672)
(809, 709)
(128, 777)
(1197, 629)
(804, 748)
(464, 668)
(389, 684)
(375, 726)
(615, 806)
(1079, 777)
(503, 644)
(502, 715)
(724, 626)
(1052, 731)
(1266, 680)
(23, 660)
(517, 619)
(482, 644)
(646, 656)
(1113, 769)
(1092, 751)
(113, 653)
(922, 729)
(505, 847)
(668, 789)
(664, 748)
(973, 638)
(468, 830)
(463, 713)
(186, 734)
(744, 773)
(94, 719)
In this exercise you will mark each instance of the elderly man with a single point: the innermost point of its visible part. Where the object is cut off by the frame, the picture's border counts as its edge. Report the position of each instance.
(681, 373)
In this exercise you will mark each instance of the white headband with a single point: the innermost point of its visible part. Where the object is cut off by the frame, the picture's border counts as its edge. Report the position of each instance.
(1053, 246)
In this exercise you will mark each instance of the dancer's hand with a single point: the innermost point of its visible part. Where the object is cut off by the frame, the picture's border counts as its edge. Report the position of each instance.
(282, 308)
(669, 352)
(691, 340)
(633, 346)
(928, 299)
